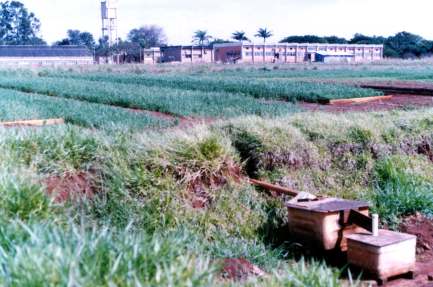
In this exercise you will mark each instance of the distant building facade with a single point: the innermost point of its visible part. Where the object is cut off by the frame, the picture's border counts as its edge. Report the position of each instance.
(45, 55)
(152, 56)
(296, 53)
(187, 54)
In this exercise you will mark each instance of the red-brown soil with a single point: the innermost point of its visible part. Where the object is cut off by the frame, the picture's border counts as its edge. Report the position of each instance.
(398, 84)
(240, 269)
(422, 227)
(396, 102)
(184, 122)
(69, 186)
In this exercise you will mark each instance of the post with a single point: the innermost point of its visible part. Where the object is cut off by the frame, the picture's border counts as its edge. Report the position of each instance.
(375, 218)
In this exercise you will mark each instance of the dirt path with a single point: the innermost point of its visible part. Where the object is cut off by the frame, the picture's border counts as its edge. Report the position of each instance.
(183, 122)
(399, 101)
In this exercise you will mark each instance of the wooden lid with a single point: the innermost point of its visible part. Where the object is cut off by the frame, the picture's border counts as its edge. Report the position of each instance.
(385, 238)
(329, 205)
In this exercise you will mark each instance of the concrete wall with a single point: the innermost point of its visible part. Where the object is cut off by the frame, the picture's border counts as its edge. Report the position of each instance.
(151, 56)
(171, 54)
(229, 54)
(294, 53)
(186, 54)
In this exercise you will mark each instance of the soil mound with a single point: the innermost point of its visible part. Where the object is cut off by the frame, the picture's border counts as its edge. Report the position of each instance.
(422, 227)
(69, 186)
(240, 269)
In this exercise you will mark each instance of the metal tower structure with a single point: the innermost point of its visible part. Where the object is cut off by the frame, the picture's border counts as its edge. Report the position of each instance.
(109, 20)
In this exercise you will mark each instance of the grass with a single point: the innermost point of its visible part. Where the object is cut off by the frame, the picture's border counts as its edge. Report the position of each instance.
(15, 105)
(171, 101)
(142, 227)
(399, 186)
(273, 89)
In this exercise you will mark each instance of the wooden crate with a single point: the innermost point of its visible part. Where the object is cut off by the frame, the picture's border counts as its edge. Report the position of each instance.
(387, 255)
(323, 224)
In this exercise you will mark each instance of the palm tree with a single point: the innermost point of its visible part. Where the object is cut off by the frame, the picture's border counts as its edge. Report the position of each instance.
(264, 33)
(201, 37)
(239, 36)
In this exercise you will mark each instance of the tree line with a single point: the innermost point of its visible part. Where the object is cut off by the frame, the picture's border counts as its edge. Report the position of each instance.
(18, 26)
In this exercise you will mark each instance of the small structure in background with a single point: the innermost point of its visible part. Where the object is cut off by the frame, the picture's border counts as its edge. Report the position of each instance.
(152, 55)
(187, 54)
(45, 55)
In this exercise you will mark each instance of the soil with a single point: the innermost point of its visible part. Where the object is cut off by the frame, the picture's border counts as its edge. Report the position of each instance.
(202, 186)
(240, 269)
(184, 122)
(422, 227)
(398, 84)
(69, 186)
(398, 101)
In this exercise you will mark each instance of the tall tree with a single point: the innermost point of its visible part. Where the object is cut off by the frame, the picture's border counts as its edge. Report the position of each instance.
(264, 33)
(240, 36)
(18, 26)
(201, 37)
(407, 45)
(363, 39)
(148, 36)
(78, 38)
(303, 39)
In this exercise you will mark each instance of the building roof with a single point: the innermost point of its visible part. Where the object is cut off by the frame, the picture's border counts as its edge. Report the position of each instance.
(45, 51)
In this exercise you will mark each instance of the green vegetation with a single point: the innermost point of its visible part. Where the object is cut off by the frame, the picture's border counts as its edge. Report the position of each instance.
(112, 198)
(16, 105)
(272, 89)
(403, 188)
(172, 101)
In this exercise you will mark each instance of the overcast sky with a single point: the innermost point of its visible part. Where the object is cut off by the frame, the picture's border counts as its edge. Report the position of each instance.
(180, 18)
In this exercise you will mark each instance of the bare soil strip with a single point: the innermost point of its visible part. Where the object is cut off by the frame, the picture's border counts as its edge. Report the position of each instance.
(397, 101)
(400, 88)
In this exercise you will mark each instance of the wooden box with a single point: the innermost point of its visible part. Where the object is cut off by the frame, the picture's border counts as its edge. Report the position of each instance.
(323, 224)
(387, 255)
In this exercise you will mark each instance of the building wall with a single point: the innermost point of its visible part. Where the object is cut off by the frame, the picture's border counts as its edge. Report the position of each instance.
(45, 61)
(171, 54)
(151, 56)
(229, 54)
(294, 53)
(197, 55)
(187, 54)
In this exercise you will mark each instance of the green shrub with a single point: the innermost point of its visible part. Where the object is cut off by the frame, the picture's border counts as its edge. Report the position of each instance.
(400, 192)
(24, 200)
(360, 135)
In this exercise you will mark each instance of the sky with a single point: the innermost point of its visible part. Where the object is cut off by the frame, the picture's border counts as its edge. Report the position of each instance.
(180, 18)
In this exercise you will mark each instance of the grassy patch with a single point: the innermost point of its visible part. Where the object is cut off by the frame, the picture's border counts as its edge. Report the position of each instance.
(401, 191)
(172, 101)
(291, 91)
(16, 105)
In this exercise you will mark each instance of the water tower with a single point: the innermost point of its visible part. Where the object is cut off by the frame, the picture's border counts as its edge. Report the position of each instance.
(109, 20)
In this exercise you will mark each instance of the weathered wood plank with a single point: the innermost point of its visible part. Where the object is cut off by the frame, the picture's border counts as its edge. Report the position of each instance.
(33, 123)
(358, 100)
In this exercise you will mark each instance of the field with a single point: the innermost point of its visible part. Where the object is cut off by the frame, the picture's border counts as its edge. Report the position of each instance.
(145, 183)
